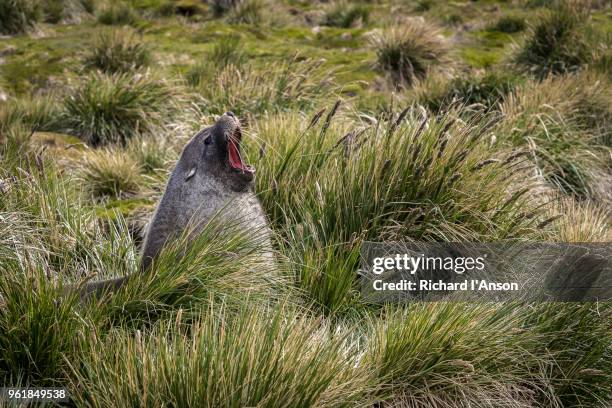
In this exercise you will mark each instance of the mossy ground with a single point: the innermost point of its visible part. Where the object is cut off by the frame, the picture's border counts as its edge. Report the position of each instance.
(54, 53)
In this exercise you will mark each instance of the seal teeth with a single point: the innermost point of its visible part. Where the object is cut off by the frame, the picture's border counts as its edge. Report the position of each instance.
(237, 134)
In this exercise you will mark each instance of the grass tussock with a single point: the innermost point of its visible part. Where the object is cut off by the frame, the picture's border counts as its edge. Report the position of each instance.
(117, 13)
(40, 199)
(248, 12)
(224, 264)
(419, 174)
(558, 42)
(111, 173)
(41, 113)
(423, 354)
(120, 50)
(153, 154)
(577, 336)
(564, 123)
(408, 52)
(252, 358)
(345, 15)
(57, 11)
(438, 159)
(19, 16)
(583, 221)
(113, 109)
(54, 11)
(249, 90)
(426, 353)
(42, 216)
(228, 51)
(13, 138)
(37, 333)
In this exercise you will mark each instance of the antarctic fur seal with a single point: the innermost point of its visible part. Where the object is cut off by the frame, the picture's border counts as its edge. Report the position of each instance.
(210, 179)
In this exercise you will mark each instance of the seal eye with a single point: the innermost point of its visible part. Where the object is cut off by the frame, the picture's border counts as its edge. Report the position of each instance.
(208, 140)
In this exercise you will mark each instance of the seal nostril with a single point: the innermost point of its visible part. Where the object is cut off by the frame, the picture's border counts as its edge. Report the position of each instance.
(231, 114)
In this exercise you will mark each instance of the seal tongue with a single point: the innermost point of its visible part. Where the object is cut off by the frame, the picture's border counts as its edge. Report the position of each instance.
(233, 147)
(234, 156)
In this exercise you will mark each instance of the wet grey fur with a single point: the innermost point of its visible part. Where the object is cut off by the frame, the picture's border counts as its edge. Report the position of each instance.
(201, 186)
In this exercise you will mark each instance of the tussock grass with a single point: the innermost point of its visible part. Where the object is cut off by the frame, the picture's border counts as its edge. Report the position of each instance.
(345, 15)
(408, 52)
(564, 123)
(427, 179)
(152, 154)
(19, 16)
(117, 13)
(118, 50)
(40, 113)
(426, 354)
(401, 160)
(220, 265)
(36, 332)
(248, 12)
(251, 358)
(580, 100)
(113, 109)
(53, 11)
(228, 51)
(47, 236)
(558, 42)
(577, 337)
(583, 221)
(14, 151)
(68, 242)
(281, 86)
(110, 173)
(56, 11)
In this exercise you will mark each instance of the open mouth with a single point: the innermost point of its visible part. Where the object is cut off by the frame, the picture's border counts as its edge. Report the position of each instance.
(233, 149)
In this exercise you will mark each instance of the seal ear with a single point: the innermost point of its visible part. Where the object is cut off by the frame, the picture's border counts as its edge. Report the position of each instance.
(191, 173)
(189, 165)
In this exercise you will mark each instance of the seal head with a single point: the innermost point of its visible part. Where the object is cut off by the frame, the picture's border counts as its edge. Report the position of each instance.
(216, 152)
